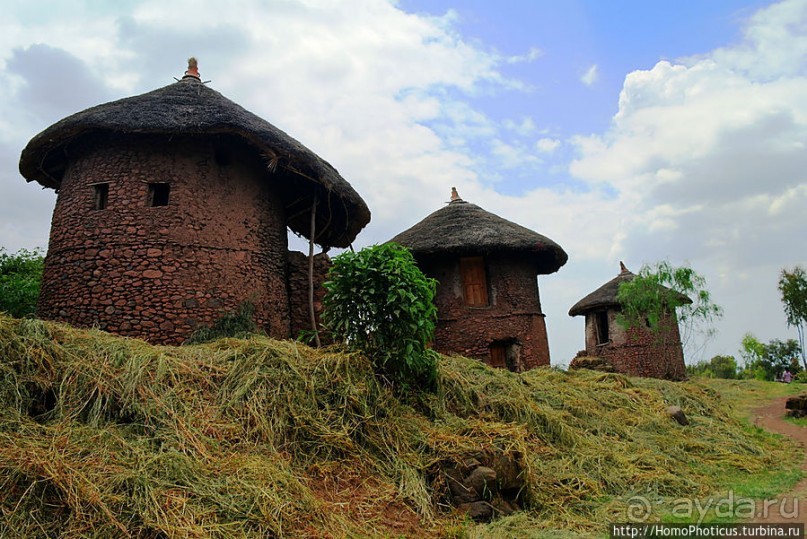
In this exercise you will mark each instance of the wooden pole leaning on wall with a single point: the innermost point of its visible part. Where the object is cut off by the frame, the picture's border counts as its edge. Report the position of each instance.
(311, 311)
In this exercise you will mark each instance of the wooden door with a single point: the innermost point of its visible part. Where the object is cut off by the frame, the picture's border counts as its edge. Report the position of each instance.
(474, 280)
(498, 355)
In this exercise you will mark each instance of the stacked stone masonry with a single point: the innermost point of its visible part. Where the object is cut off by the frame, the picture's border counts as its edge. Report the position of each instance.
(160, 272)
(639, 351)
(512, 317)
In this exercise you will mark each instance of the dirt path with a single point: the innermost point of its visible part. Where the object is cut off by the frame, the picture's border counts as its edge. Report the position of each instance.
(790, 507)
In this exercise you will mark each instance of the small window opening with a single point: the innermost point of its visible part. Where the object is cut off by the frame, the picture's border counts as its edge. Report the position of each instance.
(474, 281)
(602, 327)
(101, 196)
(158, 194)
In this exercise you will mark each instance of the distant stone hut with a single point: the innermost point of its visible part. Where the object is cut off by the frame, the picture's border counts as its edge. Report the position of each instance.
(635, 352)
(488, 305)
(173, 208)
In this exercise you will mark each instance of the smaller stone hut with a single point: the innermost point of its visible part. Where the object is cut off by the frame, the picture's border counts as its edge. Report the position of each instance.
(488, 306)
(635, 351)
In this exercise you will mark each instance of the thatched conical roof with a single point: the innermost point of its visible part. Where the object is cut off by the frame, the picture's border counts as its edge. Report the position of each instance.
(190, 108)
(462, 228)
(605, 296)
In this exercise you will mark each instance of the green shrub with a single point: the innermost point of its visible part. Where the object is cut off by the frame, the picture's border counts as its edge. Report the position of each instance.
(380, 303)
(20, 278)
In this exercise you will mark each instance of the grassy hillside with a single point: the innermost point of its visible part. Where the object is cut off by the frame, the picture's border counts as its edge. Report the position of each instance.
(108, 437)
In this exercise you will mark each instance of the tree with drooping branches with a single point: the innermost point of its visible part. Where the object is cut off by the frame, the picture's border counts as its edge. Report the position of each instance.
(793, 287)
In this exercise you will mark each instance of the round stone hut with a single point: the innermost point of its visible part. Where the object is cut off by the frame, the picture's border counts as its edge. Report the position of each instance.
(636, 351)
(488, 306)
(173, 208)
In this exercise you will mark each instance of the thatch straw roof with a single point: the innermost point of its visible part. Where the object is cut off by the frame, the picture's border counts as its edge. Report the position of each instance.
(190, 108)
(605, 296)
(462, 228)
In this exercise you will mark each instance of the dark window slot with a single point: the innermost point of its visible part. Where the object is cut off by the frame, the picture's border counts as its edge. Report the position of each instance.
(602, 327)
(101, 198)
(158, 194)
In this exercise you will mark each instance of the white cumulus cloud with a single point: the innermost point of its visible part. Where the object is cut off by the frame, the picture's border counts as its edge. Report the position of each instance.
(706, 157)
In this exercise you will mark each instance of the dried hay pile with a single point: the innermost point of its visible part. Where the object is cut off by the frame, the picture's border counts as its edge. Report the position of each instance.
(108, 437)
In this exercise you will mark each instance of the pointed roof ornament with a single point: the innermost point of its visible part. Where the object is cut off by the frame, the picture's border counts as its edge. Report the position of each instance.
(622, 268)
(193, 69)
(455, 196)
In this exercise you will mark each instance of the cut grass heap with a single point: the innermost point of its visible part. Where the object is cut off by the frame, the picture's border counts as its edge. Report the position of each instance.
(102, 436)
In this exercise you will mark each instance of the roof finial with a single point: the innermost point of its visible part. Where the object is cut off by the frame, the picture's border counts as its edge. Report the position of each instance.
(622, 268)
(455, 195)
(193, 69)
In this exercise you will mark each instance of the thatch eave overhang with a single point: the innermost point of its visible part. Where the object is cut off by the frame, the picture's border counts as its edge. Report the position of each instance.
(189, 108)
(465, 229)
(605, 297)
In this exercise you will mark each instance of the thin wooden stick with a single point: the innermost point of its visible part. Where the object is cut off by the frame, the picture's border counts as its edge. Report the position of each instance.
(311, 272)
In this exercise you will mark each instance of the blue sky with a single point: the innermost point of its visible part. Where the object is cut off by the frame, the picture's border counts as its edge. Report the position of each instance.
(570, 38)
(623, 130)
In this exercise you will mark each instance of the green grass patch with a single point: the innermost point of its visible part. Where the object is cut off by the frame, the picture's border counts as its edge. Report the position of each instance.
(737, 490)
(800, 421)
(745, 395)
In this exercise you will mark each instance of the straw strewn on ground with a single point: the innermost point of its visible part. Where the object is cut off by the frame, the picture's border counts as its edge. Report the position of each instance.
(108, 437)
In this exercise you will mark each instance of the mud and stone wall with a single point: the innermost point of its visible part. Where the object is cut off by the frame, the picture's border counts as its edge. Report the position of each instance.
(160, 272)
(638, 351)
(512, 318)
(298, 290)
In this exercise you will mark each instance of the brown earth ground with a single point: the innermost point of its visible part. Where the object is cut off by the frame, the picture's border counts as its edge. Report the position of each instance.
(791, 507)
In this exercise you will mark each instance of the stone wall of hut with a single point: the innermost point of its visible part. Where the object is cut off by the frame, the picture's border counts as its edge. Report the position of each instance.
(298, 290)
(513, 317)
(638, 351)
(159, 272)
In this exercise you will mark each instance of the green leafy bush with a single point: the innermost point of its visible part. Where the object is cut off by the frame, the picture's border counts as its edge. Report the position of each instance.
(380, 303)
(20, 278)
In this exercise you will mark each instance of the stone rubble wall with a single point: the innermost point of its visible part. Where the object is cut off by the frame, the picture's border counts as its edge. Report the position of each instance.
(513, 314)
(158, 273)
(638, 351)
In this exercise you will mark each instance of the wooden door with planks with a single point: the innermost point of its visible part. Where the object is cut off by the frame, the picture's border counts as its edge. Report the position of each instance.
(474, 281)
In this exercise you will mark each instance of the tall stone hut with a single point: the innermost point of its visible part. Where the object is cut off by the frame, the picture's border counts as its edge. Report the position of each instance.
(636, 351)
(488, 306)
(173, 208)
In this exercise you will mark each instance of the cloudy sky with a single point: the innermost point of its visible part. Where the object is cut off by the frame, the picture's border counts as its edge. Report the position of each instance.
(623, 130)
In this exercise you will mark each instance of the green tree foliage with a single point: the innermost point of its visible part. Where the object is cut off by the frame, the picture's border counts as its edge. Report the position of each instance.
(768, 361)
(717, 367)
(752, 352)
(793, 287)
(660, 290)
(20, 278)
(724, 367)
(380, 303)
